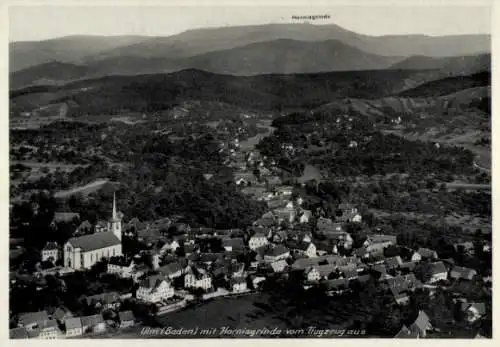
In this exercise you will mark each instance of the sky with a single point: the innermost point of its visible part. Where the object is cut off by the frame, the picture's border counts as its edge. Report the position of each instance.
(32, 23)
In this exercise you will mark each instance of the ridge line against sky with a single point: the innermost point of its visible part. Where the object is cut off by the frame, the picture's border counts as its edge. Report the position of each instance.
(38, 23)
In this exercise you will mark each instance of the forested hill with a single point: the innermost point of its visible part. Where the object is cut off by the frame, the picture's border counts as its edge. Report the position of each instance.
(146, 93)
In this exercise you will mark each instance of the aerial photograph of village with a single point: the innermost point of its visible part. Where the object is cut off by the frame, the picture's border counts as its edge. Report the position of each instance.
(250, 173)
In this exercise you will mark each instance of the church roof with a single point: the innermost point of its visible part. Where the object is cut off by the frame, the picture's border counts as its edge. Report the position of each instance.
(95, 241)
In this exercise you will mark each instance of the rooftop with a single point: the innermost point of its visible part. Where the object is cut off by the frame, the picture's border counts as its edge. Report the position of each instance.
(95, 241)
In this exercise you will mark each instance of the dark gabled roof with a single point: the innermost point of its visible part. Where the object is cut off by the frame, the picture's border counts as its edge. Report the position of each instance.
(73, 323)
(33, 317)
(126, 316)
(92, 320)
(276, 251)
(233, 242)
(436, 268)
(95, 241)
(152, 281)
(172, 268)
(381, 238)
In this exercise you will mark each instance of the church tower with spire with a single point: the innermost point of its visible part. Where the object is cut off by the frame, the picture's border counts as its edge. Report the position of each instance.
(116, 221)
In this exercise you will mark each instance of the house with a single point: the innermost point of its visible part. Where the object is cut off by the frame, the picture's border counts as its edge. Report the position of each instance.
(154, 289)
(307, 249)
(410, 254)
(473, 311)
(49, 330)
(32, 320)
(284, 191)
(323, 225)
(459, 272)
(421, 325)
(279, 266)
(170, 246)
(73, 327)
(126, 319)
(174, 270)
(50, 252)
(267, 220)
(393, 262)
(312, 274)
(402, 286)
(198, 278)
(93, 324)
(426, 253)
(286, 214)
(18, 333)
(347, 213)
(273, 254)
(305, 216)
(238, 284)
(64, 217)
(121, 266)
(380, 239)
(109, 300)
(436, 272)
(466, 248)
(341, 239)
(256, 241)
(375, 244)
(61, 314)
(233, 244)
(256, 281)
(320, 271)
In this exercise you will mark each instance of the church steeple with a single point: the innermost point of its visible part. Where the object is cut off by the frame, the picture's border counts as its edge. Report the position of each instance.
(114, 207)
(116, 222)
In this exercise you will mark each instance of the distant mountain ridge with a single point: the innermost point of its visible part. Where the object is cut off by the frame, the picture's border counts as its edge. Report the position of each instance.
(89, 50)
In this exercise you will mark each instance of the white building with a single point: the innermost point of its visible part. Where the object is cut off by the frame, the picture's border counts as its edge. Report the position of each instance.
(198, 279)
(50, 252)
(85, 251)
(154, 289)
(256, 241)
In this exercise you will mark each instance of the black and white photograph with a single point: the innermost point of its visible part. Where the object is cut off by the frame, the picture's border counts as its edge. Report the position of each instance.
(260, 171)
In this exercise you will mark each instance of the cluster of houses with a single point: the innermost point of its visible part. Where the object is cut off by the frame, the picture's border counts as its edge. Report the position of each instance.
(63, 324)
(323, 257)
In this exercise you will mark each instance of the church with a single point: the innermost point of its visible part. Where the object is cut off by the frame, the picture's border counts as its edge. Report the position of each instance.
(84, 251)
